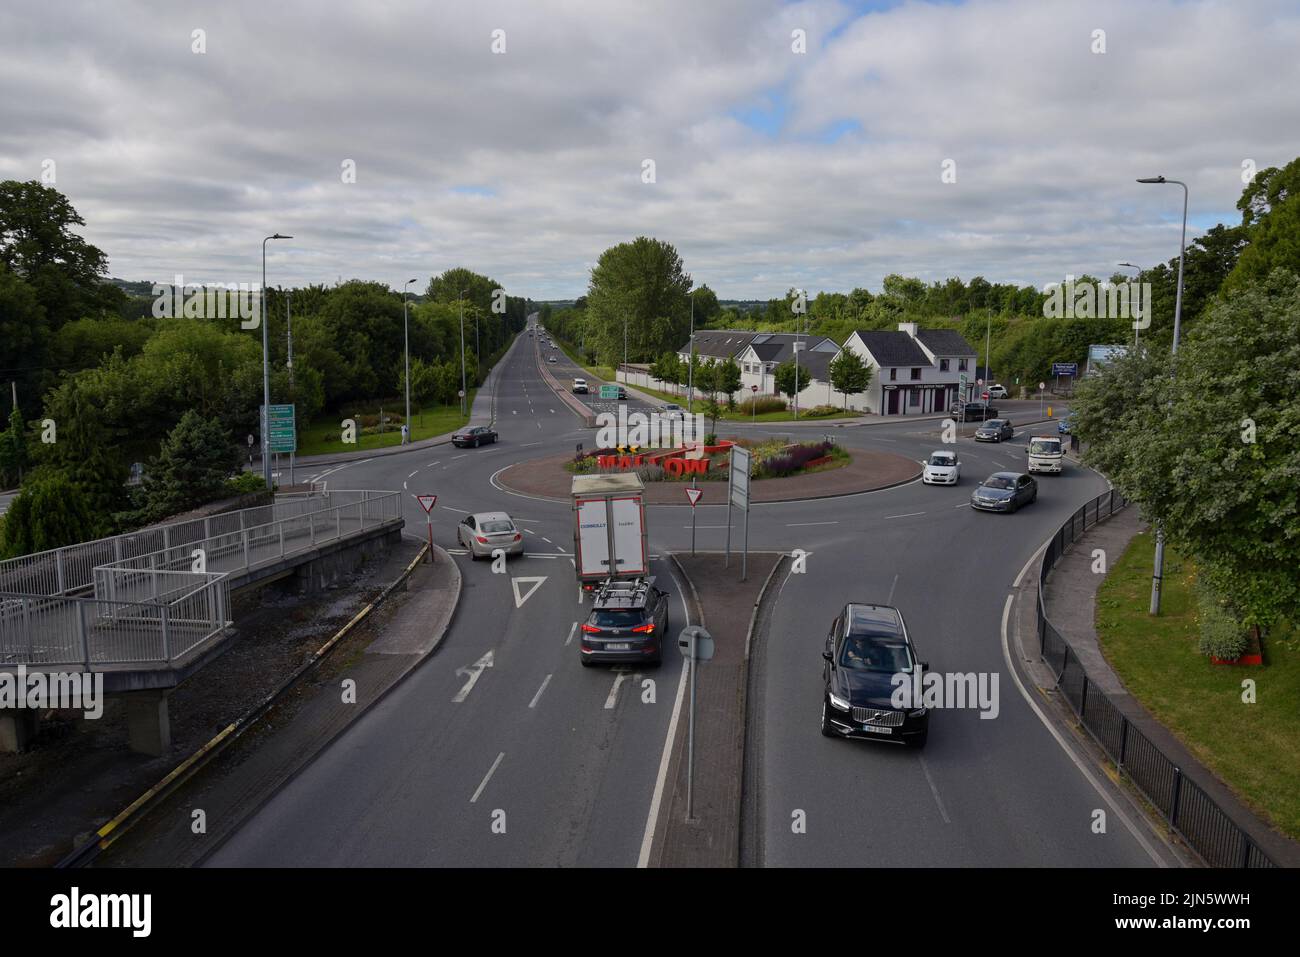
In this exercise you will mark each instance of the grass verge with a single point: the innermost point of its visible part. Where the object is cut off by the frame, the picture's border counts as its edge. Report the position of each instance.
(324, 436)
(1254, 748)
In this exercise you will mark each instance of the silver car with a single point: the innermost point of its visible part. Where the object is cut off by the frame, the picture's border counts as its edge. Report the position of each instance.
(485, 532)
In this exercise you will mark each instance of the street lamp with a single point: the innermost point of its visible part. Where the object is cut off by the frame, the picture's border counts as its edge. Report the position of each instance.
(1158, 571)
(463, 391)
(266, 374)
(690, 362)
(1138, 269)
(406, 342)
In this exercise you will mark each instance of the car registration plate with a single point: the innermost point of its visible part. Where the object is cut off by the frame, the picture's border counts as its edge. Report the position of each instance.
(617, 646)
(874, 729)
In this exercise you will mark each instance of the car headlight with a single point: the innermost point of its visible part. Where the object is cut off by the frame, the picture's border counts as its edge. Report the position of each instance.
(918, 713)
(838, 703)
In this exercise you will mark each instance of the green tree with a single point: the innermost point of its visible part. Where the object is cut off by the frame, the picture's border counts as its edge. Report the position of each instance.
(50, 512)
(668, 368)
(1270, 216)
(849, 374)
(191, 468)
(726, 379)
(1207, 445)
(638, 288)
(13, 450)
(789, 379)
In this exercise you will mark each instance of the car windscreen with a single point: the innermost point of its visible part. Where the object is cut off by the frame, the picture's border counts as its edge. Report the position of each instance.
(944, 460)
(871, 653)
(992, 424)
(1042, 447)
(616, 617)
(998, 481)
(497, 525)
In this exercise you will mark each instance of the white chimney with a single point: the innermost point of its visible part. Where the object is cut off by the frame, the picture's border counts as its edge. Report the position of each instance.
(908, 327)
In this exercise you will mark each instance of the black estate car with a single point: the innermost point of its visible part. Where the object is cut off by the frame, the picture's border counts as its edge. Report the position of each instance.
(867, 646)
(972, 411)
(1004, 492)
(627, 623)
(474, 437)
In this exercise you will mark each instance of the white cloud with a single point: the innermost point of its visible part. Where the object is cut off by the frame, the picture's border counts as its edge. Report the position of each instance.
(182, 162)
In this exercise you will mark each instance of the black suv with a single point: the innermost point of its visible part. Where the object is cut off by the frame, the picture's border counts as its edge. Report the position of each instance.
(627, 623)
(867, 646)
(973, 411)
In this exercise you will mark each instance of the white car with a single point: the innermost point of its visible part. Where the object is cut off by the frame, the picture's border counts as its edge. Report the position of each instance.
(551, 359)
(997, 391)
(942, 468)
(672, 411)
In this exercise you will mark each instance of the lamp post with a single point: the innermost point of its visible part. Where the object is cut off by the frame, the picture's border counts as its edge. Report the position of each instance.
(1158, 572)
(1138, 270)
(690, 362)
(266, 373)
(463, 391)
(406, 343)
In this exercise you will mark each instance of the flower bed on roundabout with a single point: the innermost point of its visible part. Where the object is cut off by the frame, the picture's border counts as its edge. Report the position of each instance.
(782, 470)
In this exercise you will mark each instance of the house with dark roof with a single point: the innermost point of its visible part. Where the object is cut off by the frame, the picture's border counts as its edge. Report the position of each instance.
(757, 353)
(914, 371)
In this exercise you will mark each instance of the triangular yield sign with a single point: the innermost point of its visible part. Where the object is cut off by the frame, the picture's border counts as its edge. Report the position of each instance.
(694, 495)
(426, 501)
(521, 598)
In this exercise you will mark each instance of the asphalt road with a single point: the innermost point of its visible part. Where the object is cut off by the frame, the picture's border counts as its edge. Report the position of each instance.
(571, 756)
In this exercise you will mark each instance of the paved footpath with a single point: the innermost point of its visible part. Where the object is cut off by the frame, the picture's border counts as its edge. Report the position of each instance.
(1070, 599)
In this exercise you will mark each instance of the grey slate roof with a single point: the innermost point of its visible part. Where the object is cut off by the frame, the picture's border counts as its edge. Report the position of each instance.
(817, 363)
(945, 342)
(893, 348)
(719, 343)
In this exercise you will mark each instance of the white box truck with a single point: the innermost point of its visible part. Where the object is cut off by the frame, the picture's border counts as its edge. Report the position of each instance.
(1046, 454)
(609, 539)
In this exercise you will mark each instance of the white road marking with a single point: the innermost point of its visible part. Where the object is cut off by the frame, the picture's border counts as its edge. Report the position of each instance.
(652, 819)
(619, 677)
(962, 505)
(547, 540)
(572, 628)
(1060, 739)
(472, 672)
(461, 456)
(935, 791)
(487, 777)
(890, 599)
(530, 531)
(905, 515)
(533, 703)
(412, 475)
(404, 486)
(536, 582)
(807, 524)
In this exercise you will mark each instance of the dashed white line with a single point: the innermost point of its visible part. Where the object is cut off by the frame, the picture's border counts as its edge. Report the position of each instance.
(487, 777)
(572, 628)
(533, 703)
(935, 791)
(905, 515)
(807, 524)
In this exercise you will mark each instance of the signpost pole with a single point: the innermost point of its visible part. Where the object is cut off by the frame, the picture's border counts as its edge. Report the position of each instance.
(727, 561)
(744, 555)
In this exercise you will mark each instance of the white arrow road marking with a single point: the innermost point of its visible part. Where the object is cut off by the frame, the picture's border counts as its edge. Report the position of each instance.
(536, 582)
(619, 678)
(472, 671)
(487, 777)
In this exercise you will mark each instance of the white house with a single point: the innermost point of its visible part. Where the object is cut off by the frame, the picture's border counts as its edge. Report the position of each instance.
(757, 353)
(914, 371)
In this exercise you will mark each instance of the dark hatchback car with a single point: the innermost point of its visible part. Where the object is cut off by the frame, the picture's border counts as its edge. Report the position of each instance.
(627, 624)
(867, 646)
(995, 430)
(973, 411)
(1004, 492)
(473, 438)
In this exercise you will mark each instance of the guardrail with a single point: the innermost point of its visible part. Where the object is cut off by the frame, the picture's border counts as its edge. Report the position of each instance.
(1188, 810)
(156, 606)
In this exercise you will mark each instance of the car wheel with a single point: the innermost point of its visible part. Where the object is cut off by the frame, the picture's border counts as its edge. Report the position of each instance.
(826, 726)
(476, 443)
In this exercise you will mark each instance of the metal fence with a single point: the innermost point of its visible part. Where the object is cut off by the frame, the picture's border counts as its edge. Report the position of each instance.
(154, 606)
(1186, 807)
(70, 570)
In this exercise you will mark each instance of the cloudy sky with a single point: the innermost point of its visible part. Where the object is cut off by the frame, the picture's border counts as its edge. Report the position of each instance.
(772, 168)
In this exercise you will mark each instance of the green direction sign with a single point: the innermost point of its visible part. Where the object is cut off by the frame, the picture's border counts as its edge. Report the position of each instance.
(281, 429)
(609, 392)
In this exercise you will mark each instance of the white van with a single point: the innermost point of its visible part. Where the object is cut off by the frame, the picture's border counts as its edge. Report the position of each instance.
(1046, 454)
